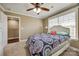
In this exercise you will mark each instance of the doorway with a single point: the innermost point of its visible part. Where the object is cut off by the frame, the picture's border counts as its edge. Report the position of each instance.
(13, 29)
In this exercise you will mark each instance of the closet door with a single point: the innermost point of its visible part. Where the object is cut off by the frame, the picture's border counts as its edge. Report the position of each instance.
(1, 47)
(4, 29)
(3, 32)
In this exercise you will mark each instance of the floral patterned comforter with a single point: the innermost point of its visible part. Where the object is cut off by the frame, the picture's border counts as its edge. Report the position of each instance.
(42, 44)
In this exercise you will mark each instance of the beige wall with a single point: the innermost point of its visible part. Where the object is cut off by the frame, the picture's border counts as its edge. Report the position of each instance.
(78, 22)
(28, 25)
(45, 23)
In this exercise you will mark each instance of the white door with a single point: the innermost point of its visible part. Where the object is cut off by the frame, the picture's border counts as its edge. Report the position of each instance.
(4, 27)
(1, 47)
(3, 32)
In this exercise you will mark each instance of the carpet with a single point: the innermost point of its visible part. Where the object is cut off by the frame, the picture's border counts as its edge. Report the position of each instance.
(70, 52)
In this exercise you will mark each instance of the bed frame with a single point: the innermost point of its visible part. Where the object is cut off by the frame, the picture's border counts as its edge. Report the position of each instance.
(60, 28)
(60, 51)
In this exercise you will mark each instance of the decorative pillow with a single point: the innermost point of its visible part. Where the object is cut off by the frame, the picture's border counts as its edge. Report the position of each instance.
(62, 33)
(48, 33)
(53, 33)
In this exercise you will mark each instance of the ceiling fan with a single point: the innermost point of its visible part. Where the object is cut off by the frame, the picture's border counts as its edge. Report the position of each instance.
(37, 8)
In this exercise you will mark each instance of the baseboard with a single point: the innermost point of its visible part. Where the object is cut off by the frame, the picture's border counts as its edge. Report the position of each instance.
(73, 48)
(24, 40)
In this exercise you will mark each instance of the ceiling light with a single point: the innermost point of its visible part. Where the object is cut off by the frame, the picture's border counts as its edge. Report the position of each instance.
(37, 10)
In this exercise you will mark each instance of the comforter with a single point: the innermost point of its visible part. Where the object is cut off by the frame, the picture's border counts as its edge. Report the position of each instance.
(42, 44)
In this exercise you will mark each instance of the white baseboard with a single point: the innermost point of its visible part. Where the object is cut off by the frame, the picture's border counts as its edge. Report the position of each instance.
(23, 40)
(73, 48)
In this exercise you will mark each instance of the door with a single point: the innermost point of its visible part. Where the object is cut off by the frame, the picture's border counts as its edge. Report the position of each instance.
(1, 47)
(3, 32)
(4, 28)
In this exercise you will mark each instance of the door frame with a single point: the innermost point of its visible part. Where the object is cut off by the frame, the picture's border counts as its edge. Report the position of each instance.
(19, 24)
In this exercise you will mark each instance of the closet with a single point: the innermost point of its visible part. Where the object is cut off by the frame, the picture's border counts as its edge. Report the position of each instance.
(13, 29)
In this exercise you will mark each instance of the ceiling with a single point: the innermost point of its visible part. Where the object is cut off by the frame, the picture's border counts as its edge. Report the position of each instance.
(22, 7)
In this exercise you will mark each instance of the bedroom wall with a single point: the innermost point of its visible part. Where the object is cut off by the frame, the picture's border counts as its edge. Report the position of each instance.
(45, 23)
(28, 25)
(78, 23)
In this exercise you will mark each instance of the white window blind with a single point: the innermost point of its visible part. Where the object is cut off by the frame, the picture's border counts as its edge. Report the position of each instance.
(67, 20)
(53, 22)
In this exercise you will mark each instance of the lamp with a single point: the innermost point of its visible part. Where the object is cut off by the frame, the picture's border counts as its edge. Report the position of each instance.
(37, 10)
(46, 27)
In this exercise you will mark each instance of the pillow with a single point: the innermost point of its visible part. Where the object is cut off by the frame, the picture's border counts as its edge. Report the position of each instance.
(48, 33)
(53, 33)
(62, 33)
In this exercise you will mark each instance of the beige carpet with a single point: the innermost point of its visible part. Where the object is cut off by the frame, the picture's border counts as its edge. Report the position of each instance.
(16, 49)
(70, 52)
(74, 43)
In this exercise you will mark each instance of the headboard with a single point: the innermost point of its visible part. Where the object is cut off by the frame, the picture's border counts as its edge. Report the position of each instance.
(59, 28)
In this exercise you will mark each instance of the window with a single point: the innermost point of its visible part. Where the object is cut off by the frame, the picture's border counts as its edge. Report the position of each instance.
(67, 20)
(53, 22)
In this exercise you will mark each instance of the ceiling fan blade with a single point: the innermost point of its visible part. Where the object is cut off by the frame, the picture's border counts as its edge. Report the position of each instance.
(29, 9)
(33, 4)
(45, 9)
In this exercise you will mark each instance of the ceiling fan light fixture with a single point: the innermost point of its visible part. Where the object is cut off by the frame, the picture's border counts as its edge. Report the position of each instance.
(37, 10)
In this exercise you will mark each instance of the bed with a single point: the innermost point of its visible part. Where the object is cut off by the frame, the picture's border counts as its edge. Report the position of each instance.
(45, 44)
